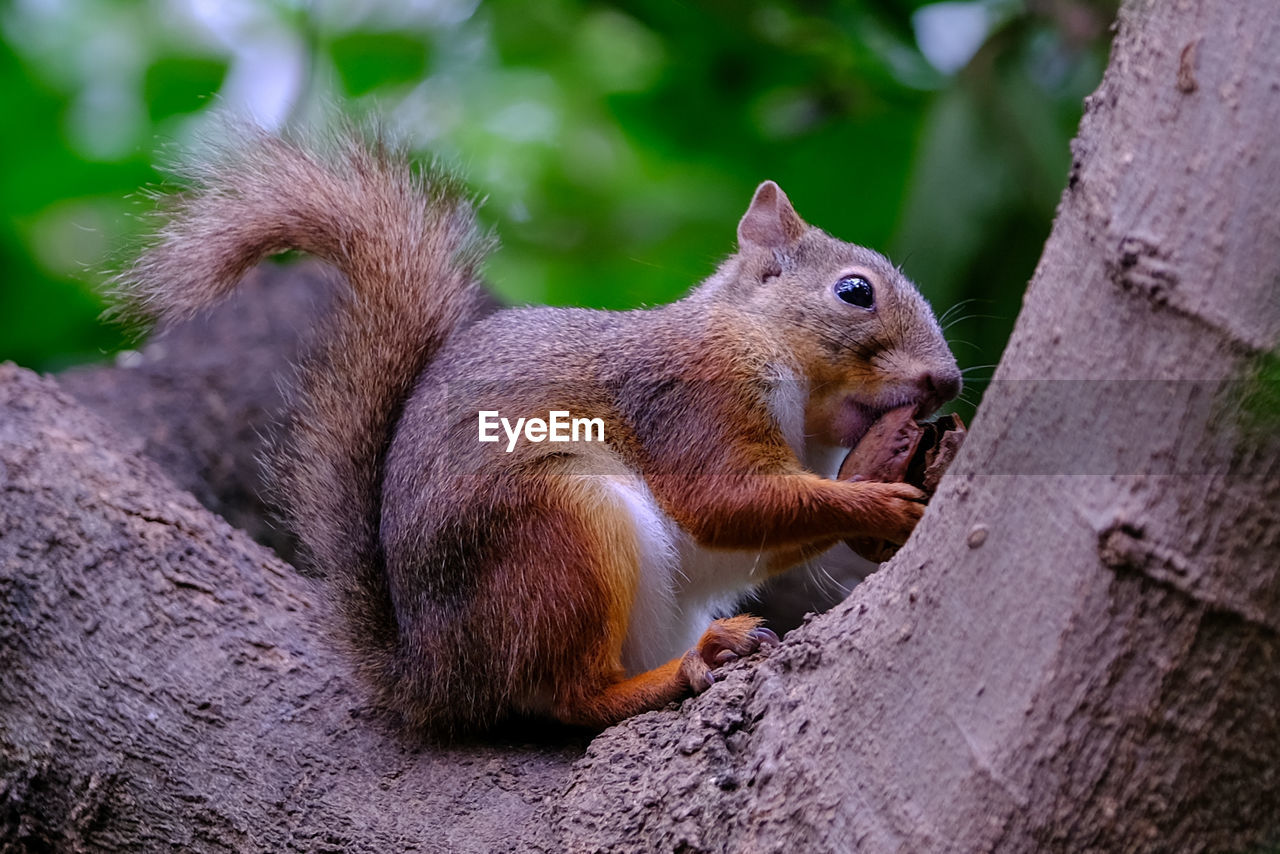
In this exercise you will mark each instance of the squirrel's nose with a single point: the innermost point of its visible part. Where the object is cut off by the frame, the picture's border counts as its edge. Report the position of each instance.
(940, 385)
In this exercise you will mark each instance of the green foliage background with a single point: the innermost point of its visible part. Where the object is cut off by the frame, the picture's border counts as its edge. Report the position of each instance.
(616, 144)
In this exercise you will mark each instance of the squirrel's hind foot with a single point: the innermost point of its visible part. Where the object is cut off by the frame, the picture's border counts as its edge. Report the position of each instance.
(724, 640)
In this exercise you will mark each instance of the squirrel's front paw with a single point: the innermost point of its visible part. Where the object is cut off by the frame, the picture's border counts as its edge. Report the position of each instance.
(724, 640)
(893, 511)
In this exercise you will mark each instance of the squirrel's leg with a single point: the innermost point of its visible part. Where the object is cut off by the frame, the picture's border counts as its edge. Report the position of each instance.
(613, 699)
(576, 556)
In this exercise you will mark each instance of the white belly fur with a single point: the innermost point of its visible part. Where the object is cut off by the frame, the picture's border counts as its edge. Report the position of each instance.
(681, 587)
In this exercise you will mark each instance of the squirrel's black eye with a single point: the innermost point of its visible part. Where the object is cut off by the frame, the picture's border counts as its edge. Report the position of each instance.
(856, 290)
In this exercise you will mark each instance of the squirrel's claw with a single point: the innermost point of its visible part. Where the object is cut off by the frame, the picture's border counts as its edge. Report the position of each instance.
(765, 636)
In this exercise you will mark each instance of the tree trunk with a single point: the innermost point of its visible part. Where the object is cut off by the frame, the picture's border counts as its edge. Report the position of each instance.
(1077, 650)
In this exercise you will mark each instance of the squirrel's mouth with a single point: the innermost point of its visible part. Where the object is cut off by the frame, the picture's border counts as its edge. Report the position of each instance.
(858, 414)
(855, 420)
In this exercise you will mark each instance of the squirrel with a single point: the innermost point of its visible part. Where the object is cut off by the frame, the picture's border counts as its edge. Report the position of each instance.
(477, 580)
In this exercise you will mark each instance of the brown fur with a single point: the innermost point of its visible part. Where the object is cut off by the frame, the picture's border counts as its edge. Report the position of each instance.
(478, 583)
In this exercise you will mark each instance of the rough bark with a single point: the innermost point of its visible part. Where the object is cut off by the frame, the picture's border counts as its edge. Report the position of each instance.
(165, 683)
(1075, 651)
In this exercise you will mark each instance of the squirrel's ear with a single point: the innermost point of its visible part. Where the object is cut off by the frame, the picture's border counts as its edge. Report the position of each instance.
(770, 222)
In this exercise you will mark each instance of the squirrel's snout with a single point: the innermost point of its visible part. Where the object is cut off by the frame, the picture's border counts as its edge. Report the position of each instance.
(939, 386)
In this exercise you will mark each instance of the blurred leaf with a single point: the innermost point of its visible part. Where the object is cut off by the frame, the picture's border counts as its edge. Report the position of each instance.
(959, 182)
(617, 53)
(617, 144)
(366, 61)
(1259, 403)
(48, 322)
(181, 84)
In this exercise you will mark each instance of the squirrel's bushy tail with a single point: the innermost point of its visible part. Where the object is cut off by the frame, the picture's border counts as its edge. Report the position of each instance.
(409, 248)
